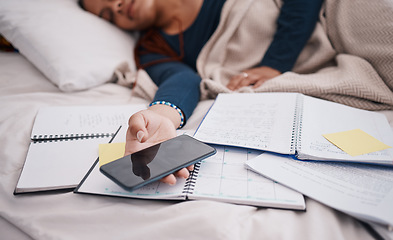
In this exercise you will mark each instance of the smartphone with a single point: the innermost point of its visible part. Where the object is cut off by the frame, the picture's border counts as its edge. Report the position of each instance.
(150, 164)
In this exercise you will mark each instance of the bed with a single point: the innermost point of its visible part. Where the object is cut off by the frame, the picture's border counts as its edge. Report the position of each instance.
(26, 86)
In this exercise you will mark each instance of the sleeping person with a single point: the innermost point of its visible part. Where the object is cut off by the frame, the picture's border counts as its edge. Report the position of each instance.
(173, 33)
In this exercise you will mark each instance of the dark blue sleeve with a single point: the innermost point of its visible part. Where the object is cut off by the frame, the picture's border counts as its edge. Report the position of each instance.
(177, 83)
(295, 25)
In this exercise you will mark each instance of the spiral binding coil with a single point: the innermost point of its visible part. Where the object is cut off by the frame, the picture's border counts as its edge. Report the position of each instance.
(68, 137)
(297, 125)
(191, 181)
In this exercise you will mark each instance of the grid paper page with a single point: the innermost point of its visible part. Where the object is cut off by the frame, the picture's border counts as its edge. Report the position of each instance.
(224, 177)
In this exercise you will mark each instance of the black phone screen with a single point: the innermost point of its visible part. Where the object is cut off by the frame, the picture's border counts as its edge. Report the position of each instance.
(152, 163)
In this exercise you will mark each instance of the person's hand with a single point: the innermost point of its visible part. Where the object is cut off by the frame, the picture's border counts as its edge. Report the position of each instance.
(146, 128)
(149, 127)
(252, 77)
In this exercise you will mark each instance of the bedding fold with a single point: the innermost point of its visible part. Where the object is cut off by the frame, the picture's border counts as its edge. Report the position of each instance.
(343, 61)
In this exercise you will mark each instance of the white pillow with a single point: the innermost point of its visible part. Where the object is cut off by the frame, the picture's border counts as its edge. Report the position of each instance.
(73, 48)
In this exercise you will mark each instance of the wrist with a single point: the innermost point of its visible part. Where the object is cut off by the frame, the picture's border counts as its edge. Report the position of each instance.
(170, 111)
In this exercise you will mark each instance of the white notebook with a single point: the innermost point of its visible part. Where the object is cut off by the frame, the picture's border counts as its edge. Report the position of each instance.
(57, 164)
(221, 177)
(291, 123)
(59, 122)
(65, 144)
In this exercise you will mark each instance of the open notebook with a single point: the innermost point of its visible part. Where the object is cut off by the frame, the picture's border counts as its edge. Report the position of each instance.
(64, 144)
(221, 177)
(68, 122)
(294, 124)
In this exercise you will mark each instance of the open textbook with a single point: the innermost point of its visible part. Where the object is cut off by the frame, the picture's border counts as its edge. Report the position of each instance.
(364, 191)
(64, 144)
(292, 123)
(221, 177)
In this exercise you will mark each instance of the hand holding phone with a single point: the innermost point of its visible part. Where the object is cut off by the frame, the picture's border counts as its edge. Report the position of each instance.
(149, 127)
(155, 162)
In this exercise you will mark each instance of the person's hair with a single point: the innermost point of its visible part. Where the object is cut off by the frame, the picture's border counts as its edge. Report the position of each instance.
(153, 42)
(81, 4)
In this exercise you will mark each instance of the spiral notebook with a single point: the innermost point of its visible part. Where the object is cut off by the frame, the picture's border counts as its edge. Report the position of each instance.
(64, 144)
(293, 124)
(68, 122)
(221, 177)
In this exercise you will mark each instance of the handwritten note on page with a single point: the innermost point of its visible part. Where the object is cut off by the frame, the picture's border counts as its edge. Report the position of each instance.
(67, 120)
(257, 121)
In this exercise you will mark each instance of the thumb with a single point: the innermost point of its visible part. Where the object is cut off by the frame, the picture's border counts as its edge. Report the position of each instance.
(139, 135)
(137, 127)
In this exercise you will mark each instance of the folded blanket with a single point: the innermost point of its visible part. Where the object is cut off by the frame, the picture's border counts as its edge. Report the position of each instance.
(348, 59)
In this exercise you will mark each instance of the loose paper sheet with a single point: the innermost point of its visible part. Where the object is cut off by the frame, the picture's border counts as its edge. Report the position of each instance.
(356, 142)
(361, 190)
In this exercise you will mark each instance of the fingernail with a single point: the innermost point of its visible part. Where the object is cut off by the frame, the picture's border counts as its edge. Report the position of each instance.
(172, 184)
(139, 135)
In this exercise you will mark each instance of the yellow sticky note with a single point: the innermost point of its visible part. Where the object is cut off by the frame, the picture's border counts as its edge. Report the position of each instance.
(356, 142)
(110, 151)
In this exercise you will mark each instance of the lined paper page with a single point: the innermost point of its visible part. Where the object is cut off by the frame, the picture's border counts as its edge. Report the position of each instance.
(324, 117)
(261, 121)
(62, 121)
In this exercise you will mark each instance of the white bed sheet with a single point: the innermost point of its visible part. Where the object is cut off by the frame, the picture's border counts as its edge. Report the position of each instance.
(23, 90)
